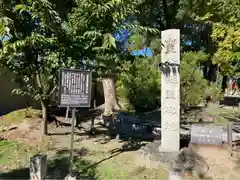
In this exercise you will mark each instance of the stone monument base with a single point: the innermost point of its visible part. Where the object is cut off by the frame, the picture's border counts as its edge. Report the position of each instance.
(179, 163)
(151, 157)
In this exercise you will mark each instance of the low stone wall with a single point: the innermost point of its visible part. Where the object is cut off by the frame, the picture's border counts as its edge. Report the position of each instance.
(9, 102)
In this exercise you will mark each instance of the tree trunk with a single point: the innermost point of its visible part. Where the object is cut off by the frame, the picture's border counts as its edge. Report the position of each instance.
(109, 89)
(212, 73)
(205, 71)
(44, 105)
(224, 83)
(166, 16)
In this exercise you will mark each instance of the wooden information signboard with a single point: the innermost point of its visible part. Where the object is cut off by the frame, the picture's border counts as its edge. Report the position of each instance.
(74, 91)
(74, 88)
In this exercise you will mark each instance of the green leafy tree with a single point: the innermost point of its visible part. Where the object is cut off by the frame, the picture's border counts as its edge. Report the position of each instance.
(139, 82)
(194, 87)
(96, 22)
(167, 14)
(192, 81)
(223, 17)
(34, 46)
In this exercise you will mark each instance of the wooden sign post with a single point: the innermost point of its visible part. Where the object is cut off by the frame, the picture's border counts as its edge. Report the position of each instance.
(74, 91)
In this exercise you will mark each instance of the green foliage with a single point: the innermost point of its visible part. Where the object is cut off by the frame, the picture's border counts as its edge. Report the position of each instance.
(192, 82)
(214, 91)
(95, 22)
(139, 83)
(194, 88)
(223, 18)
(83, 165)
(42, 37)
(137, 42)
(36, 47)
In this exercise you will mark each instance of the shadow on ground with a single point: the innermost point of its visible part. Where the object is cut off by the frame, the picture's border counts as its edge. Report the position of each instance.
(58, 167)
(98, 132)
(124, 128)
(230, 101)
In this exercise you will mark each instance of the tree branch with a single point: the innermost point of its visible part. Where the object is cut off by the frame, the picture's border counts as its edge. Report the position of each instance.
(165, 11)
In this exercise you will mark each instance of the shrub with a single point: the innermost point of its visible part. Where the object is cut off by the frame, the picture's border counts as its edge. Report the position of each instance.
(214, 91)
(192, 81)
(194, 88)
(139, 84)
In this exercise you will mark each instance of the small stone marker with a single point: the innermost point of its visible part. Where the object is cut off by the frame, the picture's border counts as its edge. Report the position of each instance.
(206, 135)
(38, 167)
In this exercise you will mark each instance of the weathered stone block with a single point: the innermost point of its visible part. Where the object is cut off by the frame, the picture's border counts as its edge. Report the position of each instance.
(38, 167)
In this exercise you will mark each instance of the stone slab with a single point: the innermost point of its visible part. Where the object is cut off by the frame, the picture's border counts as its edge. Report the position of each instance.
(206, 135)
(170, 90)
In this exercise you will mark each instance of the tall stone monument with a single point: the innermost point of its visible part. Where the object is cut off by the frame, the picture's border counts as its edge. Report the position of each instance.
(170, 91)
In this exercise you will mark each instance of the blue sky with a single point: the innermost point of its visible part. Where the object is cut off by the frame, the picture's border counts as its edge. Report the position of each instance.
(5, 38)
(123, 36)
(142, 52)
(147, 51)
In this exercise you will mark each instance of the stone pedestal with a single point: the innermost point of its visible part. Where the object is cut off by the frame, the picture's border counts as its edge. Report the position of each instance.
(187, 160)
(38, 167)
(150, 157)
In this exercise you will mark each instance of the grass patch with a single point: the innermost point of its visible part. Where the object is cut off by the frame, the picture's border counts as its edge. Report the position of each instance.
(122, 166)
(214, 113)
(7, 148)
(18, 116)
(85, 167)
(111, 170)
(225, 115)
(14, 155)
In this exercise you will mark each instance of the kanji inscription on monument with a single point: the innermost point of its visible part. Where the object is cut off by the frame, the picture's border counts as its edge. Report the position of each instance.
(170, 89)
(74, 88)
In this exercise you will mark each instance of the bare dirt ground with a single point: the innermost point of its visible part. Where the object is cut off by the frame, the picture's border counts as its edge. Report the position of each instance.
(222, 165)
(27, 132)
(107, 156)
